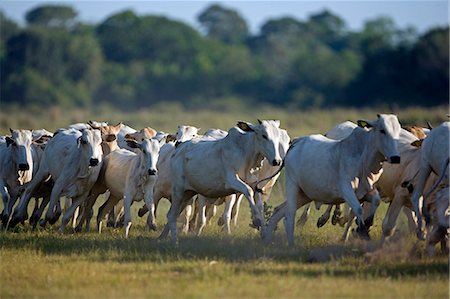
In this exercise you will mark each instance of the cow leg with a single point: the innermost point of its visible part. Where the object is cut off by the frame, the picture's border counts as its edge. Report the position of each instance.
(390, 219)
(148, 199)
(104, 209)
(348, 225)
(6, 198)
(76, 202)
(179, 197)
(54, 197)
(295, 198)
(127, 201)
(236, 207)
(349, 195)
(229, 203)
(323, 219)
(201, 218)
(424, 173)
(304, 217)
(211, 210)
(336, 215)
(37, 213)
(186, 217)
(412, 220)
(20, 212)
(372, 197)
(118, 214)
(235, 183)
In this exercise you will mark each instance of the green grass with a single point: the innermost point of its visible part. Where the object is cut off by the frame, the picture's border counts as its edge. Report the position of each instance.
(46, 264)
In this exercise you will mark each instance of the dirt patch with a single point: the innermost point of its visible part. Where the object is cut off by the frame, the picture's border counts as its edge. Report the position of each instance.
(332, 252)
(399, 250)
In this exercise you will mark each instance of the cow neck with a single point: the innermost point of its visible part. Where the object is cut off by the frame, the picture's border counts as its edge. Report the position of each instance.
(361, 146)
(75, 159)
(108, 147)
(250, 152)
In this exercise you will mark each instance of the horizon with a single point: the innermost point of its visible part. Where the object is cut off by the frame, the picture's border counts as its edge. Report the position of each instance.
(421, 15)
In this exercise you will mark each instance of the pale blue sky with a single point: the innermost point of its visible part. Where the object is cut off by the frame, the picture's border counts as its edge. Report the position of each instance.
(420, 14)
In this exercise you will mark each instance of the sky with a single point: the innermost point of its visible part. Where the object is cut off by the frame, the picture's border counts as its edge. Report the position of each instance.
(422, 15)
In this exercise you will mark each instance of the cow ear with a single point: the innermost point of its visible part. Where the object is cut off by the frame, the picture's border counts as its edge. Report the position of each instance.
(149, 133)
(259, 121)
(417, 143)
(244, 126)
(92, 124)
(364, 124)
(9, 141)
(128, 136)
(110, 138)
(171, 137)
(11, 130)
(378, 115)
(118, 126)
(132, 143)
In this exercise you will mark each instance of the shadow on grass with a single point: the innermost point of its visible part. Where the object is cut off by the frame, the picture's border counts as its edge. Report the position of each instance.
(244, 252)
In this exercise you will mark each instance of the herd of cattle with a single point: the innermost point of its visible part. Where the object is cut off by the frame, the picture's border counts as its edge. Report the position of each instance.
(352, 167)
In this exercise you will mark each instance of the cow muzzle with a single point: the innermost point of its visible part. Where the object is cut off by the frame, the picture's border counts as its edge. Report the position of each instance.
(93, 162)
(276, 162)
(24, 166)
(394, 159)
(152, 172)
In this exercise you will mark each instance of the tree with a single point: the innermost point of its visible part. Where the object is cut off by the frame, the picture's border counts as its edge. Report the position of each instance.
(328, 28)
(53, 16)
(432, 55)
(8, 28)
(224, 24)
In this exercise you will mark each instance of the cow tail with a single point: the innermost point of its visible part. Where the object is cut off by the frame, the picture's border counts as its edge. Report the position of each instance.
(259, 190)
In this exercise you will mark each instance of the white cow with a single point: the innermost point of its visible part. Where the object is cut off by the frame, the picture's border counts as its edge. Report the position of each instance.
(260, 173)
(129, 176)
(330, 172)
(16, 168)
(222, 167)
(164, 181)
(73, 159)
(435, 158)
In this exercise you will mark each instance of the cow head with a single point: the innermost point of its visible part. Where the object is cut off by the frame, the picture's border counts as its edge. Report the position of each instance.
(19, 144)
(185, 133)
(149, 151)
(267, 134)
(90, 144)
(386, 131)
(145, 133)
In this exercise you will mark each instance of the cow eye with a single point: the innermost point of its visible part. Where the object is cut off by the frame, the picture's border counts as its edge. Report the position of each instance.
(382, 131)
(83, 142)
(264, 136)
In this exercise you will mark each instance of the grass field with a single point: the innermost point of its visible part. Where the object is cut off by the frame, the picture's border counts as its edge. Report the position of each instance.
(46, 264)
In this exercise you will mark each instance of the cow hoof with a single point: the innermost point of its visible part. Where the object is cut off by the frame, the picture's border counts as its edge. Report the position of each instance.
(420, 234)
(363, 233)
(256, 223)
(5, 219)
(34, 219)
(53, 220)
(368, 222)
(142, 211)
(335, 219)
(42, 223)
(321, 222)
(153, 227)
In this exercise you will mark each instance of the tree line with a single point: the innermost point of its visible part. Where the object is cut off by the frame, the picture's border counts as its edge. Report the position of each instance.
(132, 61)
